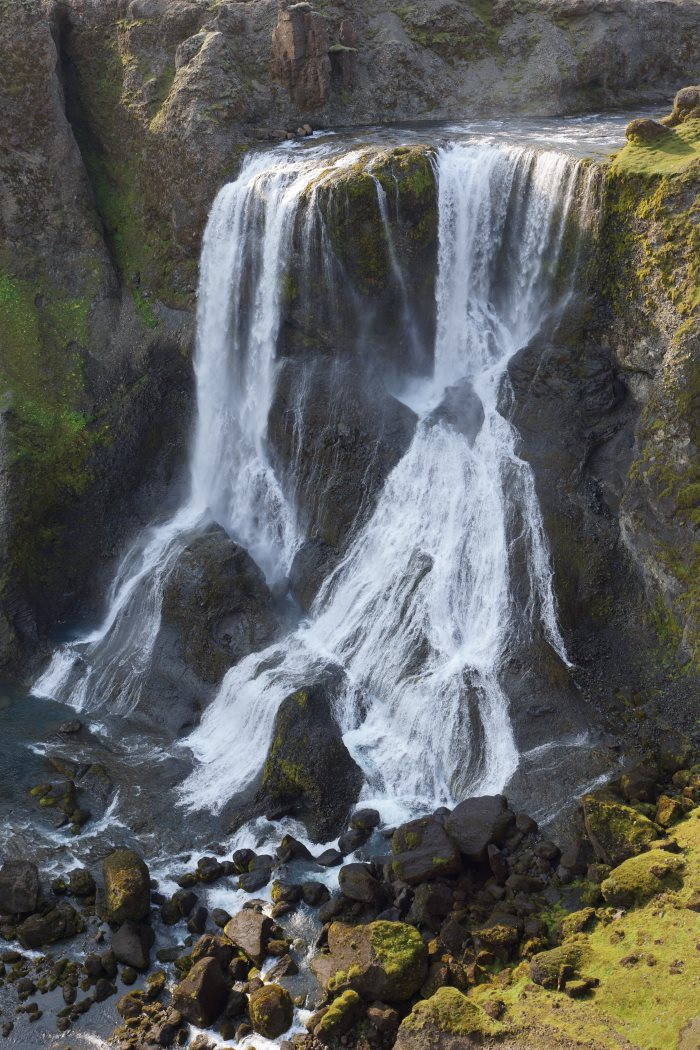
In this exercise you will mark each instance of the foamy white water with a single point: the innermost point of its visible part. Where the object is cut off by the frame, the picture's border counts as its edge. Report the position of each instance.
(420, 613)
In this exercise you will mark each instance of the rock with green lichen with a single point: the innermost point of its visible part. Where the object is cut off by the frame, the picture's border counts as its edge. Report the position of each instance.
(308, 770)
(421, 852)
(552, 968)
(342, 1015)
(448, 1020)
(639, 878)
(271, 1011)
(614, 830)
(577, 921)
(383, 960)
(126, 887)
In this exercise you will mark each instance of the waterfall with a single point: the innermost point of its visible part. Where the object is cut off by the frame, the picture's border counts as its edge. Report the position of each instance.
(421, 611)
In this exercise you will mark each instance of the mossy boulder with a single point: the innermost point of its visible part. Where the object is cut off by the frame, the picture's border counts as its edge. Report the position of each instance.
(271, 1011)
(127, 891)
(421, 851)
(448, 1020)
(616, 831)
(639, 878)
(383, 960)
(577, 921)
(552, 968)
(309, 771)
(342, 1015)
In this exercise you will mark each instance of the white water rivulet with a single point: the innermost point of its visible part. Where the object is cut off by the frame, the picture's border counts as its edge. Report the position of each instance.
(421, 611)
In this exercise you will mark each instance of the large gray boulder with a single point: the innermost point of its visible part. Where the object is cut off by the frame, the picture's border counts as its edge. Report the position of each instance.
(477, 823)
(19, 887)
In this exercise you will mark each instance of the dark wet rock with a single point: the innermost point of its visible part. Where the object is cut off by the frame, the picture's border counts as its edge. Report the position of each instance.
(203, 993)
(97, 782)
(184, 900)
(461, 409)
(421, 851)
(215, 947)
(285, 893)
(308, 770)
(19, 887)
(337, 433)
(385, 960)
(291, 849)
(330, 858)
(271, 1011)
(365, 819)
(197, 921)
(286, 966)
(220, 917)
(250, 931)
(81, 883)
(358, 884)
(478, 822)
(242, 859)
(431, 903)
(200, 638)
(132, 944)
(313, 562)
(58, 924)
(126, 887)
(352, 839)
(315, 893)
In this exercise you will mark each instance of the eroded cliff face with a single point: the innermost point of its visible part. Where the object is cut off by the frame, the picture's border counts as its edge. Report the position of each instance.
(121, 119)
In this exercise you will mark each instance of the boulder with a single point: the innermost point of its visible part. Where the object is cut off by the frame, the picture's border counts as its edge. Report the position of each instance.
(476, 823)
(81, 883)
(460, 408)
(616, 831)
(358, 884)
(19, 887)
(250, 931)
(342, 1015)
(217, 608)
(421, 851)
(551, 968)
(58, 924)
(132, 944)
(645, 130)
(309, 771)
(637, 879)
(448, 1020)
(271, 1011)
(203, 993)
(127, 888)
(382, 960)
(213, 946)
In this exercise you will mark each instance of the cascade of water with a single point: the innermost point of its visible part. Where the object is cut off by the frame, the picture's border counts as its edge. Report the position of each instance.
(245, 249)
(420, 611)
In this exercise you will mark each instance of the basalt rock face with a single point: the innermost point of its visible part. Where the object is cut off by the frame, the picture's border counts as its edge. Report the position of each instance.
(119, 122)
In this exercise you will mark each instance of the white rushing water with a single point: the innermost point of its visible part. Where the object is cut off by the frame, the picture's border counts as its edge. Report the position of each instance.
(421, 611)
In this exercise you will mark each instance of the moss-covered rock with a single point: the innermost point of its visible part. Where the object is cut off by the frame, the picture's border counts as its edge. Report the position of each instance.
(639, 878)
(308, 770)
(616, 831)
(448, 1020)
(383, 960)
(127, 887)
(271, 1011)
(552, 968)
(342, 1015)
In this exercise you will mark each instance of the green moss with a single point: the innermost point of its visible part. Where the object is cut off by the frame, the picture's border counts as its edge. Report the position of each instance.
(670, 154)
(341, 1014)
(451, 1012)
(551, 968)
(639, 878)
(398, 947)
(616, 831)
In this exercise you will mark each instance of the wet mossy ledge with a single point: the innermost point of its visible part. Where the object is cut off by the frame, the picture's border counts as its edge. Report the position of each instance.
(647, 277)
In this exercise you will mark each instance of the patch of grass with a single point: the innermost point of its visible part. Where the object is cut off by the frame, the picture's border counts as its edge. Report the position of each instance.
(670, 154)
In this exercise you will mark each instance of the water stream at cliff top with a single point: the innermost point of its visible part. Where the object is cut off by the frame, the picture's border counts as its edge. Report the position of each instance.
(421, 610)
